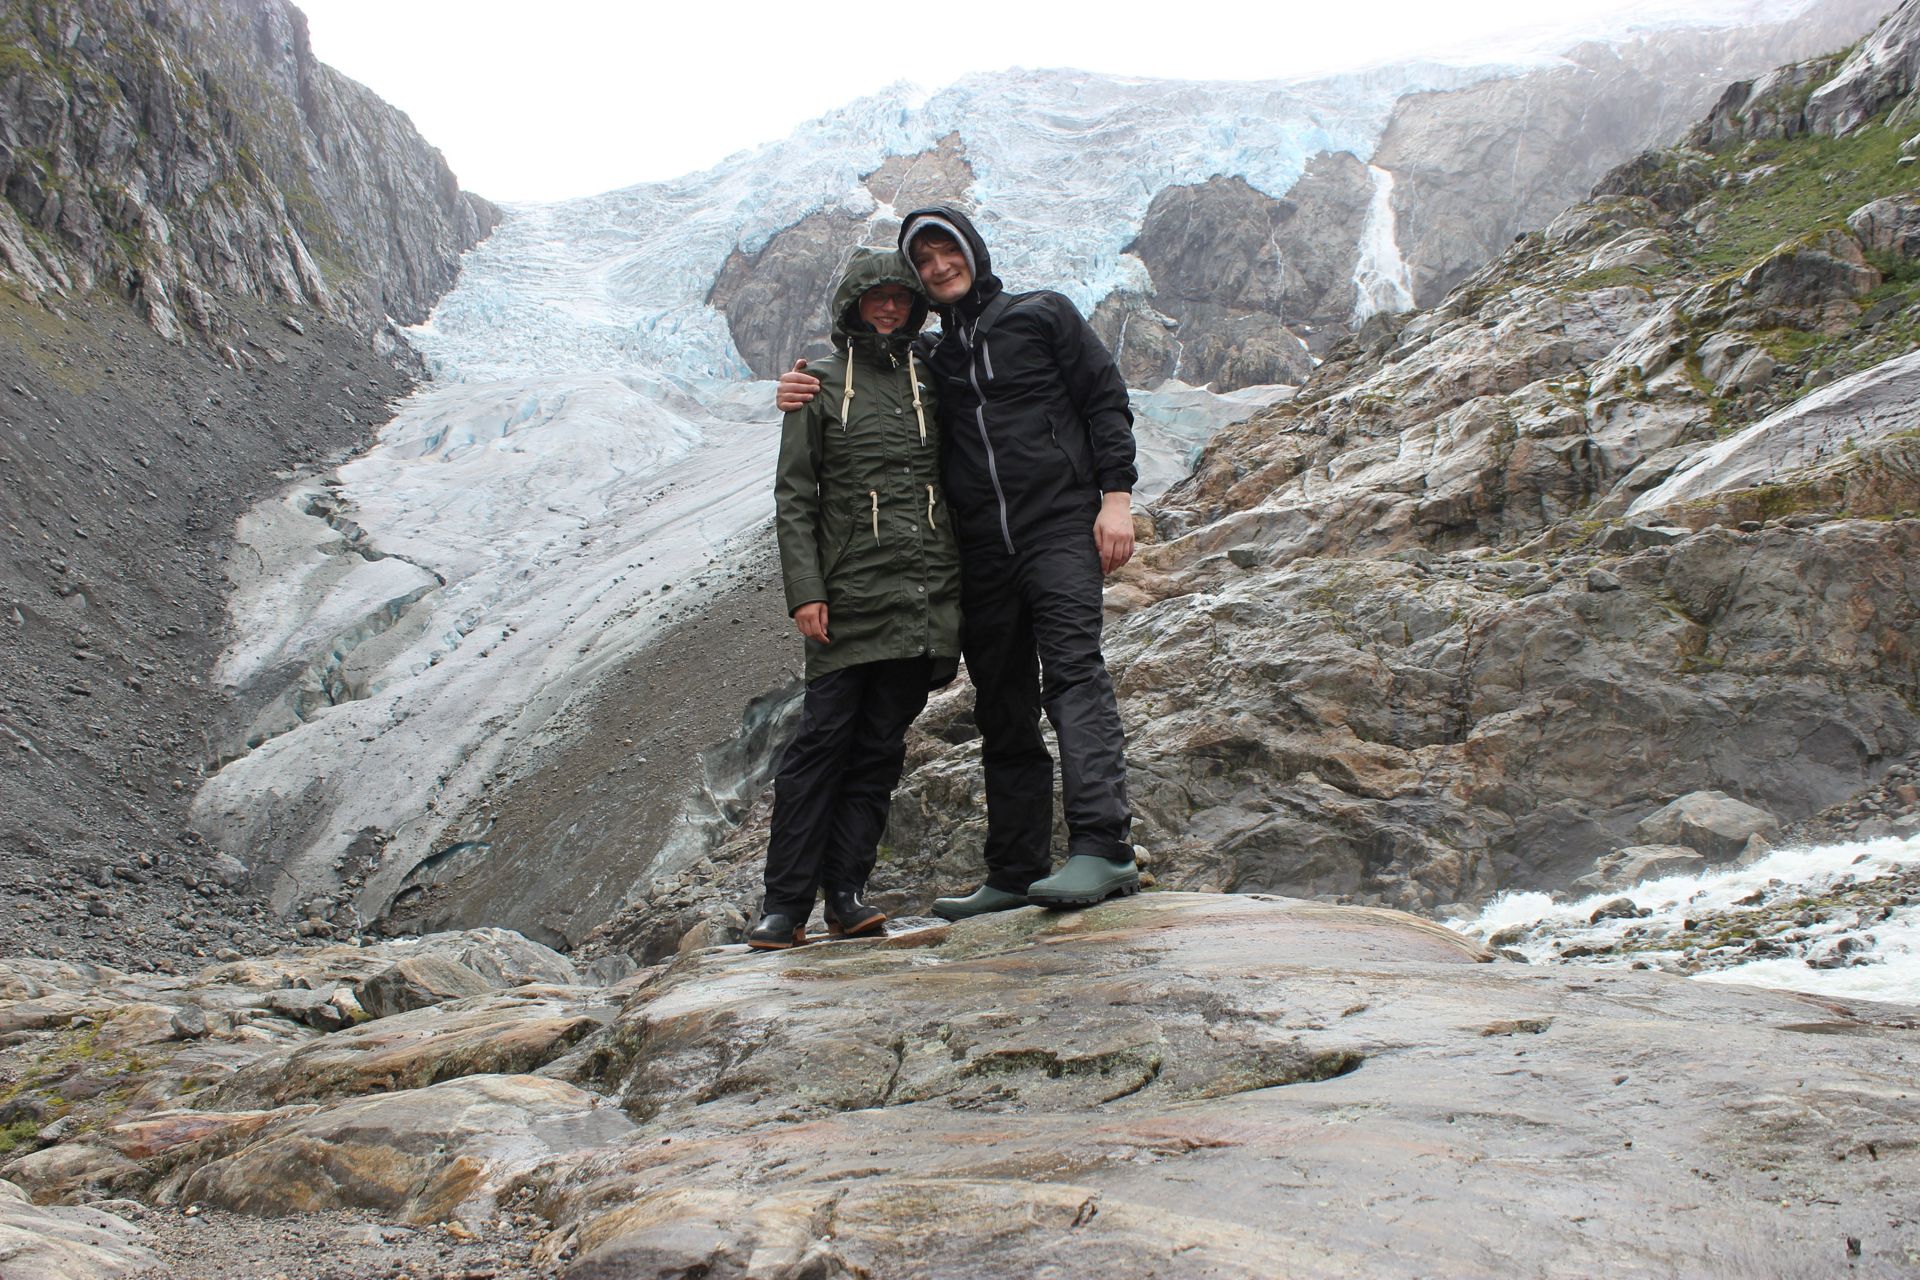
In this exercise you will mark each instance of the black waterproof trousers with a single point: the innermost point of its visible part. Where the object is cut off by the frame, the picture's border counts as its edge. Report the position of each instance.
(831, 795)
(1023, 614)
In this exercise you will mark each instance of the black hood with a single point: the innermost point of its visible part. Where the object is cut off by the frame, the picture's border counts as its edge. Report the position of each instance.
(953, 222)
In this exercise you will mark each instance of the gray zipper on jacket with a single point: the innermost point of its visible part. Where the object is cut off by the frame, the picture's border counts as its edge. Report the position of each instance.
(980, 420)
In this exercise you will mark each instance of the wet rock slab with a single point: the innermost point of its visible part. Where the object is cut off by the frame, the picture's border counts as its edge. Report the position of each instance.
(1185, 1084)
(1174, 1084)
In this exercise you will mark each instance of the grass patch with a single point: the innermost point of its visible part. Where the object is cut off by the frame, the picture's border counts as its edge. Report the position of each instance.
(1638, 277)
(16, 1133)
(1815, 183)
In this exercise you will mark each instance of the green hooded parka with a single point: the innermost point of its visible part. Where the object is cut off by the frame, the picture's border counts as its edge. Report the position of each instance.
(859, 510)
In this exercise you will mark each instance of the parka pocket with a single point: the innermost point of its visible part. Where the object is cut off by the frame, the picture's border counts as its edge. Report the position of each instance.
(1079, 461)
(838, 537)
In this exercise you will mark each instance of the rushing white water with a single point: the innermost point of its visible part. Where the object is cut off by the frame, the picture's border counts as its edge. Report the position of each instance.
(1780, 921)
(1382, 282)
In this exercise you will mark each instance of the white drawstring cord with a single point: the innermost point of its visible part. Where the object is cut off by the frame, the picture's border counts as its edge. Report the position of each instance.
(875, 495)
(913, 376)
(930, 520)
(846, 401)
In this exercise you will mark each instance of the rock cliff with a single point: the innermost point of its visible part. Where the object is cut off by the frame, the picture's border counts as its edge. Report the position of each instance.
(1475, 167)
(181, 153)
(204, 237)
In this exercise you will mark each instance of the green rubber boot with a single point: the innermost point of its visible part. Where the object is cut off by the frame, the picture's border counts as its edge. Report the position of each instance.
(1085, 880)
(982, 901)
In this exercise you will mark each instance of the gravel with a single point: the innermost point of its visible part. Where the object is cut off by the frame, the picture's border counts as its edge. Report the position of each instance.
(134, 457)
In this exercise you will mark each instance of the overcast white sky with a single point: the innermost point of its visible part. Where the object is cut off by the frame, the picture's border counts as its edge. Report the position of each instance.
(545, 99)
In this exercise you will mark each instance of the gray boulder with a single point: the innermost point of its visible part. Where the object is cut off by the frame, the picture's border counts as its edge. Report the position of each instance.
(417, 982)
(1889, 225)
(1711, 822)
(1749, 373)
(1624, 868)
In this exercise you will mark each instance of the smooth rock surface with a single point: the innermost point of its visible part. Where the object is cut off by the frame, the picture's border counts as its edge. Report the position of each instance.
(1184, 1084)
(425, 1155)
(41, 1243)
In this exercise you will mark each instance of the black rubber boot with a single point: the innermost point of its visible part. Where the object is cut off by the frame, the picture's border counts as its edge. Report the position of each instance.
(982, 901)
(777, 931)
(848, 917)
(1085, 880)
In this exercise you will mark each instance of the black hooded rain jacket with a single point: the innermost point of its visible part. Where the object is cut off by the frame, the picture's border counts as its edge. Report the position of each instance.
(1037, 410)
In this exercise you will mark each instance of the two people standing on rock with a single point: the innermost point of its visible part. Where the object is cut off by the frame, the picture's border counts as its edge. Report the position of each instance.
(1037, 458)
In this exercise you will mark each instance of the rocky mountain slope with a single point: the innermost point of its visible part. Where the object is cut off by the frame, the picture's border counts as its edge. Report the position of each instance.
(204, 235)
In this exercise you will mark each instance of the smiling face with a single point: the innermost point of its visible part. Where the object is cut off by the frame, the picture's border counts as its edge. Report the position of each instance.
(885, 307)
(942, 267)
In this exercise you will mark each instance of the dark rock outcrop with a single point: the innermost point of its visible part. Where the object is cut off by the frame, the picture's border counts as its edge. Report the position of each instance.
(180, 153)
(775, 298)
(1243, 284)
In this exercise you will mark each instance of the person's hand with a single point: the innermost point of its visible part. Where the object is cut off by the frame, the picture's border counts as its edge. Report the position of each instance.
(1113, 530)
(796, 388)
(812, 621)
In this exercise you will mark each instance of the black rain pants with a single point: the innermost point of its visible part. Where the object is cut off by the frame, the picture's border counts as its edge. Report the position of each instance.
(1024, 614)
(837, 777)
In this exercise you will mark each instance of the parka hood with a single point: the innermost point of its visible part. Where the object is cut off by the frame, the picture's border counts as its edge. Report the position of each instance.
(870, 268)
(945, 218)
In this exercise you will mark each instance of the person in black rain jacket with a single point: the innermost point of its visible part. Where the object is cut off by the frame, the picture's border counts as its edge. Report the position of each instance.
(1038, 463)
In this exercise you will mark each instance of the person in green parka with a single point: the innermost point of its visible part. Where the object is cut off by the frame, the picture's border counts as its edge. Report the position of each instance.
(873, 583)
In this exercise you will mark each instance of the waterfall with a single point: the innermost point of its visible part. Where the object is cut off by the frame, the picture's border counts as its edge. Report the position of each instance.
(1381, 282)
